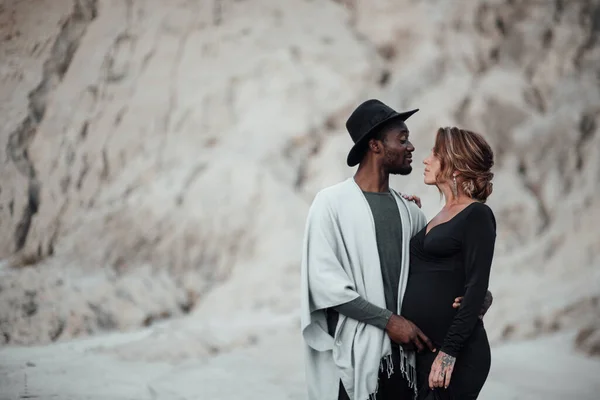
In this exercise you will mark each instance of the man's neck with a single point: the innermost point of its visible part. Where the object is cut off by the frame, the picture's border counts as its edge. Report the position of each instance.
(372, 178)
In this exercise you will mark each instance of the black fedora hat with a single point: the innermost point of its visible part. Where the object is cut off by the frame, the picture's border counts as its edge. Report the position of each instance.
(365, 120)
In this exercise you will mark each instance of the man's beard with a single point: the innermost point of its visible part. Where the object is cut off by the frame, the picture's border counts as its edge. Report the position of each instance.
(403, 170)
(392, 167)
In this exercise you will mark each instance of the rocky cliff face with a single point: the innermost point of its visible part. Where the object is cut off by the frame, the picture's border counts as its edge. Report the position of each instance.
(161, 158)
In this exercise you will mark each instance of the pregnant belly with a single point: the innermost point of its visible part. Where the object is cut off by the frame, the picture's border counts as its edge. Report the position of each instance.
(428, 303)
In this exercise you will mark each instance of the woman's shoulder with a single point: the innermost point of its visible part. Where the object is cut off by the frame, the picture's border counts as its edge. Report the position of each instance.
(479, 207)
(480, 213)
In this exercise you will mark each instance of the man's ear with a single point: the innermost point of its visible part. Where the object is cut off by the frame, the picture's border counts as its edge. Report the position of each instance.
(375, 146)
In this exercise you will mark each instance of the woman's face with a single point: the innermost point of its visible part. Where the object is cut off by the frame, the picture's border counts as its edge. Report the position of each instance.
(432, 168)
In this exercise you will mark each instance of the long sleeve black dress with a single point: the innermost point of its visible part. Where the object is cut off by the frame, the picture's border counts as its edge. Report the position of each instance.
(453, 260)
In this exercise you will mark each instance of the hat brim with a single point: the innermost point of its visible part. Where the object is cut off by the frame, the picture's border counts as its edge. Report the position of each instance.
(354, 156)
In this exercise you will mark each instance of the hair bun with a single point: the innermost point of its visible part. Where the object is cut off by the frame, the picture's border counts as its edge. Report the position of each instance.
(482, 186)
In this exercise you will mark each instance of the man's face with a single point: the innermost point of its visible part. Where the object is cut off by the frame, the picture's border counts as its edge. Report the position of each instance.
(397, 151)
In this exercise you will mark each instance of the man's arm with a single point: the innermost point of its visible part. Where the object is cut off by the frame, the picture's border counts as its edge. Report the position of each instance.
(363, 311)
(399, 329)
(487, 303)
(323, 275)
(404, 332)
(330, 286)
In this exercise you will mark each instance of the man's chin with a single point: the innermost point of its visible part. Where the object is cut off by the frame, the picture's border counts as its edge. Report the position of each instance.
(405, 170)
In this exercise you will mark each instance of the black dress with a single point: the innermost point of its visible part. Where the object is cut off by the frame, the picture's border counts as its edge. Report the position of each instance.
(452, 260)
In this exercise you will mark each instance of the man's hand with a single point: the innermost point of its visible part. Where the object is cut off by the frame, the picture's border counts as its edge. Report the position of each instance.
(412, 197)
(441, 370)
(404, 332)
(487, 303)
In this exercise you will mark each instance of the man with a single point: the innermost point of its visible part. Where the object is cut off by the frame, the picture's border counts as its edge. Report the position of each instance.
(355, 269)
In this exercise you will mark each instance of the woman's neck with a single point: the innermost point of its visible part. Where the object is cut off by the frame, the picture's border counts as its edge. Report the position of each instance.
(452, 200)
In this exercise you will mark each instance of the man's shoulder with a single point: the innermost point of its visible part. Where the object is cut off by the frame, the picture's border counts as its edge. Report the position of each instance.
(328, 201)
(413, 208)
(331, 199)
(333, 192)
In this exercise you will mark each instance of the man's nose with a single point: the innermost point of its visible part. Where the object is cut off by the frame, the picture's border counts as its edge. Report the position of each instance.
(410, 147)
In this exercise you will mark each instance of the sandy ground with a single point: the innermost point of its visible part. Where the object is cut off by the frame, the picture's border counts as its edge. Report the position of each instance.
(107, 367)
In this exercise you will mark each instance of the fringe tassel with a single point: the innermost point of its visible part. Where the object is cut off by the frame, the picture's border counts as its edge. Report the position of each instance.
(390, 365)
(386, 364)
(407, 370)
(409, 373)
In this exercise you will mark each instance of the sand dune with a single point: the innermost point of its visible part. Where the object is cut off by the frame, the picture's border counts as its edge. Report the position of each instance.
(139, 366)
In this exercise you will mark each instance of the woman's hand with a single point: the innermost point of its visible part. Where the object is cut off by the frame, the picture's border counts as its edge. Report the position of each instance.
(412, 197)
(487, 303)
(441, 370)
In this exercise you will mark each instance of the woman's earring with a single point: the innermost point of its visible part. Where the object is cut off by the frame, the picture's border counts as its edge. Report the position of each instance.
(454, 187)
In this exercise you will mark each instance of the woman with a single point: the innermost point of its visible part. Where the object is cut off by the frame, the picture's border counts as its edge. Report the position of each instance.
(451, 257)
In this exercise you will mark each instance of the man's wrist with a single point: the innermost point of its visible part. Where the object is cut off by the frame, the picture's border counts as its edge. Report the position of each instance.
(388, 316)
(383, 319)
(393, 318)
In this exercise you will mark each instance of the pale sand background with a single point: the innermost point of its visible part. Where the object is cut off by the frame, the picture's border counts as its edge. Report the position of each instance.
(158, 160)
(105, 368)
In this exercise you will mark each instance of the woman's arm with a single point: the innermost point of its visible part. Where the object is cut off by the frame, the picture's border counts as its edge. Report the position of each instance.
(478, 247)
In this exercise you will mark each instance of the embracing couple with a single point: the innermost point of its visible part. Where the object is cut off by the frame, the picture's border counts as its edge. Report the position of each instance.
(391, 305)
